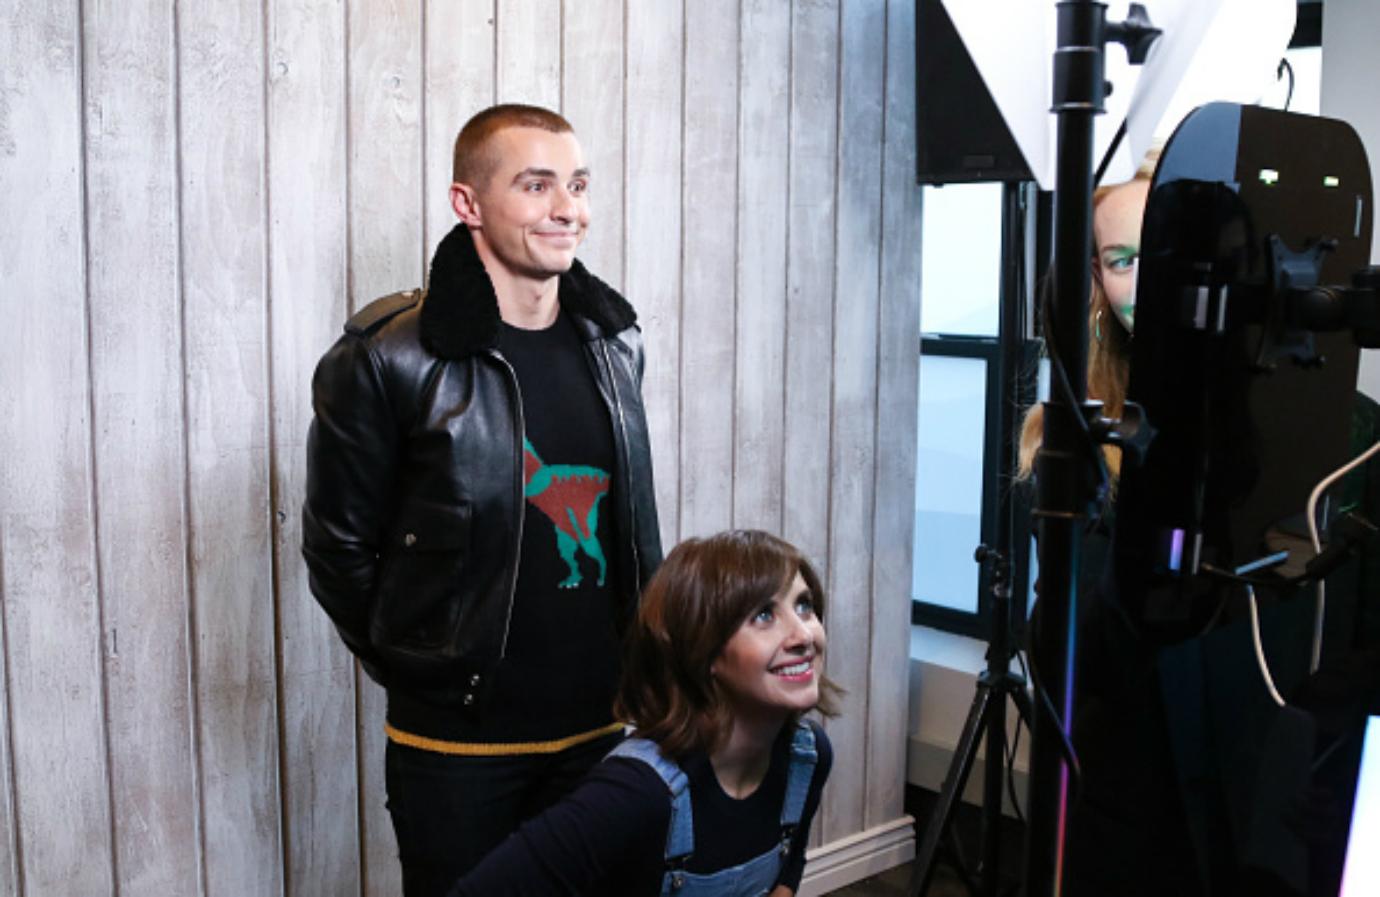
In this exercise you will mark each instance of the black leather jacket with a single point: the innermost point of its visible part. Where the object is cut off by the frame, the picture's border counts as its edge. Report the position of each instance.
(412, 524)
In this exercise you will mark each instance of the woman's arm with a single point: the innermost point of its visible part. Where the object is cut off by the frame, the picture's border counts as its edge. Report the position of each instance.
(612, 827)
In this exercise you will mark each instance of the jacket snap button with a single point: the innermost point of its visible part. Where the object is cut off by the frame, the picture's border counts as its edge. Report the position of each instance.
(469, 700)
(474, 680)
(410, 539)
(677, 881)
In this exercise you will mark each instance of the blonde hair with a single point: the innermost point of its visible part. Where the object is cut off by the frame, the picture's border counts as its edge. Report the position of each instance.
(1109, 355)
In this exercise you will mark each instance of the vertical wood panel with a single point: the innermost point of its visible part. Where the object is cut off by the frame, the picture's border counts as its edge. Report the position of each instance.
(222, 148)
(855, 399)
(459, 48)
(529, 52)
(898, 372)
(385, 220)
(810, 276)
(137, 375)
(763, 224)
(813, 117)
(307, 240)
(655, 42)
(707, 282)
(592, 100)
(9, 820)
(755, 208)
(385, 138)
(52, 630)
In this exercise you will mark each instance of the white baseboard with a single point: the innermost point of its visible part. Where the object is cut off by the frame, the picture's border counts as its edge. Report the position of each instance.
(839, 863)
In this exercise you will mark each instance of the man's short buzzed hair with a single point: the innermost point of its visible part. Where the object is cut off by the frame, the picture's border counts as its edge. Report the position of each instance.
(474, 164)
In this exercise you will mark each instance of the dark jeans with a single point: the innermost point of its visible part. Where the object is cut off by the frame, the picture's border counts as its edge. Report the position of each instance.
(448, 812)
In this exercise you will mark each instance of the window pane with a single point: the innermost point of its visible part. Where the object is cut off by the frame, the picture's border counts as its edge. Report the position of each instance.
(948, 481)
(960, 261)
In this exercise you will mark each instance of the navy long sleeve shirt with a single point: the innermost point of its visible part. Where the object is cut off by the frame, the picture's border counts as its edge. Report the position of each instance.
(608, 837)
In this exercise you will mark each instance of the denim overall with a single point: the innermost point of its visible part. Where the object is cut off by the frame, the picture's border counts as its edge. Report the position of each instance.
(756, 877)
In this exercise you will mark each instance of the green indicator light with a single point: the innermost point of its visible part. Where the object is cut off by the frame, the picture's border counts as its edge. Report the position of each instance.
(1330, 181)
(1269, 176)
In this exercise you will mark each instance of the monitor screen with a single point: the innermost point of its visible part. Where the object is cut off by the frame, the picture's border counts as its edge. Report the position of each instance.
(1361, 875)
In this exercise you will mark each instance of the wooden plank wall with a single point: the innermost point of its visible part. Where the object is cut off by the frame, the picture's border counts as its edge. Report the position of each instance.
(200, 192)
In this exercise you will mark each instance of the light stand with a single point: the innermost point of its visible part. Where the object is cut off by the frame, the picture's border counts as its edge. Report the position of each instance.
(987, 714)
(1064, 467)
(986, 718)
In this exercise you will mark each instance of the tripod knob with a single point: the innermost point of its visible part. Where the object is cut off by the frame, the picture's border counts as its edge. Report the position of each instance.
(1136, 34)
(1132, 433)
(1001, 568)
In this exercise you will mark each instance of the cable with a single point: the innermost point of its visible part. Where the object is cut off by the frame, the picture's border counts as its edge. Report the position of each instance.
(1284, 67)
(1065, 745)
(1331, 750)
(1012, 747)
(1320, 590)
(1111, 151)
(1259, 648)
(1219, 573)
(1060, 377)
(1025, 670)
(1060, 380)
(1310, 512)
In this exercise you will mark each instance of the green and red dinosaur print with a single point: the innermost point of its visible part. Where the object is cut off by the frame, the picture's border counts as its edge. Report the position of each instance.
(569, 495)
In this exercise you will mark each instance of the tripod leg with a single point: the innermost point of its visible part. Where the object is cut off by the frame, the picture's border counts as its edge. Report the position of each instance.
(952, 790)
(992, 781)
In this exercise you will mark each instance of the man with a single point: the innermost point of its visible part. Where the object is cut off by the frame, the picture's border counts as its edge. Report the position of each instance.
(480, 516)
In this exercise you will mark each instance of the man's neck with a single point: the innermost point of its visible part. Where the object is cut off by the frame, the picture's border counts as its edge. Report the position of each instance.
(527, 304)
(523, 302)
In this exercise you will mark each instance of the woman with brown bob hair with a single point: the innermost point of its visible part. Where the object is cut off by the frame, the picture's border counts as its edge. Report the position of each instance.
(690, 611)
(716, 791)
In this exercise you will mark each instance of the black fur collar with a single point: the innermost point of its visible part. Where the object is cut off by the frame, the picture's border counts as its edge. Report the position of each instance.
(459, 315)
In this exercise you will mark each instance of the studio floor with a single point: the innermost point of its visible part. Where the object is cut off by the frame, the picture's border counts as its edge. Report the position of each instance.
(945, 881)
(896, 883)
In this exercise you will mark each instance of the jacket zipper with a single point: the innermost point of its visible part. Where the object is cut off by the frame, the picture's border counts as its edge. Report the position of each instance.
(517, 480)
(627, 463)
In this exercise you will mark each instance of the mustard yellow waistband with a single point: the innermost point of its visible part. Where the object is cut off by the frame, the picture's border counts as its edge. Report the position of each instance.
(474, 749)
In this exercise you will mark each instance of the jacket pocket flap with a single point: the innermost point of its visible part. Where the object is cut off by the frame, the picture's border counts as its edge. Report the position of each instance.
(431, 527)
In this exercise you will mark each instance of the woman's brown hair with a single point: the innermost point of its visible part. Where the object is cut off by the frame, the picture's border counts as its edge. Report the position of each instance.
(702, 592)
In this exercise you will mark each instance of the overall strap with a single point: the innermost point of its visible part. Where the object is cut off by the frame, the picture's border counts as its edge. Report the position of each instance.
(804, 756)
(680, 834)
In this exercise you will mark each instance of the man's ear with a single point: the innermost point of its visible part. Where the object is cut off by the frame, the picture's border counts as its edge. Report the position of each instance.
(465, 202)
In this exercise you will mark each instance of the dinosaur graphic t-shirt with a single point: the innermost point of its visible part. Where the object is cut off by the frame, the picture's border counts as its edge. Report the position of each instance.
(562, 665)
(569, 496)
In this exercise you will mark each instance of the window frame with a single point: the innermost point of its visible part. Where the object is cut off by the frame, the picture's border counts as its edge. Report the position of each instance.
(986, 349)
(1026, 219)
